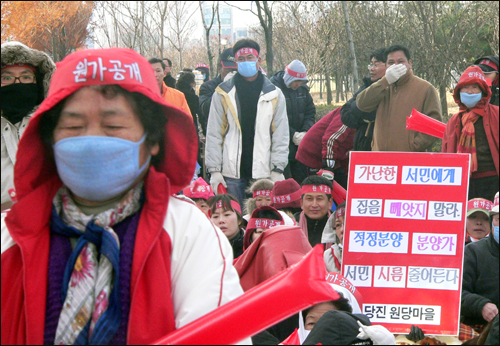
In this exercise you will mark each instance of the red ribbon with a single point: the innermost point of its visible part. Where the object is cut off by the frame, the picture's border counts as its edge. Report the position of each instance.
(316, 189)
(262, 193)
(244, 51)
(296, 74)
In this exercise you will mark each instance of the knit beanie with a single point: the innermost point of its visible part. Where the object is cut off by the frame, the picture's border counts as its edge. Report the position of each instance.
(295, 71)
(286, 194)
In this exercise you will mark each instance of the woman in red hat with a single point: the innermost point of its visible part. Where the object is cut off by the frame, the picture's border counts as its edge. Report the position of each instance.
(474, 129)
(97, 250)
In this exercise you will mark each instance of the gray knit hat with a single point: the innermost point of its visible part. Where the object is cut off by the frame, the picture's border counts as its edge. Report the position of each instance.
(296, 70)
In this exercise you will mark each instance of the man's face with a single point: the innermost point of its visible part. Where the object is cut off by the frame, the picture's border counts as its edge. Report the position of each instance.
(249, 57)
(17, 74)
(495, 220)
(377, 69)
(159, 73)
(397, 58)
(316, 312)
(478, 225)
(316, 205)
(167, 68)
(296, 84)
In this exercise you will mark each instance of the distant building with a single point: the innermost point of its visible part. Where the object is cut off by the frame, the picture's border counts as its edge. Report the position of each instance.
(239, 33)
(226, 20)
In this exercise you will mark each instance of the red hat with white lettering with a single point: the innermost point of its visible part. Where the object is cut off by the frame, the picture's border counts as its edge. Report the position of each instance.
(198, 189)
(286, 194)
(113, 66)
(473, 75)
(494, 210)
(479, 204)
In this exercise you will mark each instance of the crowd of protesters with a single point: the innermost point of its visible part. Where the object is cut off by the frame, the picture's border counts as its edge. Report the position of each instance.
(107, 237)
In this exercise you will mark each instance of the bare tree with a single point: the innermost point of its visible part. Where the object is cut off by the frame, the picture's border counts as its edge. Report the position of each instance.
(265, 15)
(351, 45)
(208, 28)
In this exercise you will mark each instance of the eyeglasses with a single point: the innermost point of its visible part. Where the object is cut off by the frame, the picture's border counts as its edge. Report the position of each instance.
(26, 79)
(371, 66)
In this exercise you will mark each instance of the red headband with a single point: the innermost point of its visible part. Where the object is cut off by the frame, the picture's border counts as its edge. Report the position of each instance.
(489, 63)
(316, 189)
(479, 203)
(246, 50)
(263, 223)
(296, 74)
(288, 198)
(235, 205)
(29, 67)
(262, 193)
(340, 212)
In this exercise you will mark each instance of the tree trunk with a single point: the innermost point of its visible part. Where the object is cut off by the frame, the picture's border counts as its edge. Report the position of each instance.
(328, 89)
(337, 87)
(351, 46)
(444, 103)
(320, 86)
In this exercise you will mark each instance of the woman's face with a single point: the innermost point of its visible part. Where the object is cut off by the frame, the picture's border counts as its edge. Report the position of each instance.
(202, 205)
(227, 221)
(339, 228)
(261, 201)
(478, 225)
(315, 314)
(256, 234)
(88, 113)
(471, 89)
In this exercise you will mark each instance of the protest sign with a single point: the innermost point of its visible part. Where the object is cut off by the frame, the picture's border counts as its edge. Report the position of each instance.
(404, 237)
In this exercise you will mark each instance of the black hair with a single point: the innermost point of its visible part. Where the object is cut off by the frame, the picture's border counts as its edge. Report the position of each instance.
(155, 61)
(151, 115)
(169, 62)
(226, 204)
(318, 180)
(397, 48)
(246, 42)
(341, 304)
(379, 55)
(185, 80)
(269, 214)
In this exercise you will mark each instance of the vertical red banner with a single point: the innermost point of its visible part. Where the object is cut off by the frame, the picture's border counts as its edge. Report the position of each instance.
(404, 237)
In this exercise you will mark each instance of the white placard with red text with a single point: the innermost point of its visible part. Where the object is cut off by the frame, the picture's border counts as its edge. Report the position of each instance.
(404, 237)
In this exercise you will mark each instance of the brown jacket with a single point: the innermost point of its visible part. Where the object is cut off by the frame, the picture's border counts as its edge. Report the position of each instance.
(393, 104)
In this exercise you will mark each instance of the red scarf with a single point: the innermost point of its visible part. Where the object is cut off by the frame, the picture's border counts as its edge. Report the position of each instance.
(467, 142)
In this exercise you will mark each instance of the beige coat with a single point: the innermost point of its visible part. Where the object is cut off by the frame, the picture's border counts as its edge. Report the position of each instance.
(393, 104)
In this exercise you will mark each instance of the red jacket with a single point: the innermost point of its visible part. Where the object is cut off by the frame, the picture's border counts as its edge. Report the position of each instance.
(328, 139)
(171, 282)
(487, 110)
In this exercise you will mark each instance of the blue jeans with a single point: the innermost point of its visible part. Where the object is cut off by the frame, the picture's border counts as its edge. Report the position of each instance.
(236, 188)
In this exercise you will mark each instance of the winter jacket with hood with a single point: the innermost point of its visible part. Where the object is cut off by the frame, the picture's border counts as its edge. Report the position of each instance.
(488, 111)
(17, 53)
(171, 282)
(299, 107)
(207, 90)
(224, 136)
(393, 103)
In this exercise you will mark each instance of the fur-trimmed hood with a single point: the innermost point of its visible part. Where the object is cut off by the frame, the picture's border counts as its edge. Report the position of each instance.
(261, 184)
(18, 53)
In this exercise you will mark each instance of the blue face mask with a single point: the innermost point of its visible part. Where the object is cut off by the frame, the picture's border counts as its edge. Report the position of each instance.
(495, 233)
(98, 168)
(247, 68)
(470, 100)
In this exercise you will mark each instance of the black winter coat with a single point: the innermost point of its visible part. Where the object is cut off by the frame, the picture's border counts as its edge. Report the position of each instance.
(352, 117)
(207, 89)
(192, 101)
(480, 280)
(299, 107)
(169, 81)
